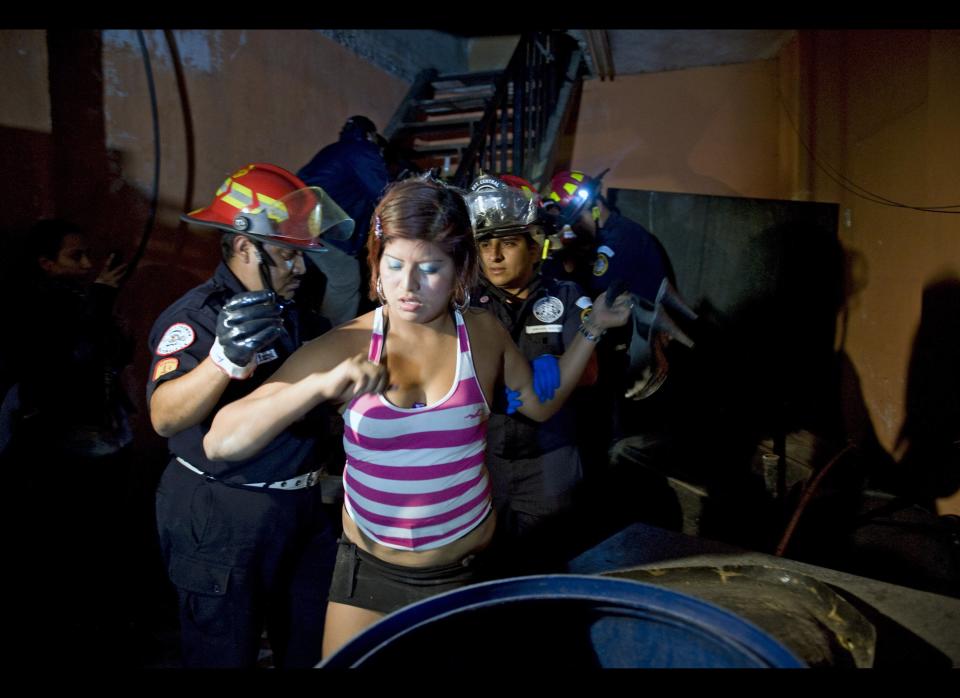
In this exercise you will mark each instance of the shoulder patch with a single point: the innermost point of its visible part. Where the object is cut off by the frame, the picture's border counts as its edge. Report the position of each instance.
(178, 337)
(608, 251)
(164, 366)
(548, 309)
(601, 265)
(584, 302)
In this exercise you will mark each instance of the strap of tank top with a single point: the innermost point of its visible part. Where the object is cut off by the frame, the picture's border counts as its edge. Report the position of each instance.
(463, 339)
(376, 337)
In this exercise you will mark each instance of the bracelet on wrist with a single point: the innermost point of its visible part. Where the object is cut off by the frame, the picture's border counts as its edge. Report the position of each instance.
(590, 336)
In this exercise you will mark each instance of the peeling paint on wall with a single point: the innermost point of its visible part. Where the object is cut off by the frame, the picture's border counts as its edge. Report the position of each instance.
(404, 52)
(200, 49)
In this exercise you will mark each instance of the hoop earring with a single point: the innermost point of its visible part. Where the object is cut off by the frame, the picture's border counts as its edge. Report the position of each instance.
(460, 307)
(383, 299)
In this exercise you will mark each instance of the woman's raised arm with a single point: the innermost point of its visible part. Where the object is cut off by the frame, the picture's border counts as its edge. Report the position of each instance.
(328, 369)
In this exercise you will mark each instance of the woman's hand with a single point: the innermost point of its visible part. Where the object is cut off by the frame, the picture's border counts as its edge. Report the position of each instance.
(354, 376)
(603, 318)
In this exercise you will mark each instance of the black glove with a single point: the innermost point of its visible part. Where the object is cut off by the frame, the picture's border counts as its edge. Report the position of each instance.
(248, 323)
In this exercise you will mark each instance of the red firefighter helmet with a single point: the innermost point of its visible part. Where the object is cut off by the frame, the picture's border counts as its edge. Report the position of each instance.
(572, 191)
(519, 183)
(273, 205)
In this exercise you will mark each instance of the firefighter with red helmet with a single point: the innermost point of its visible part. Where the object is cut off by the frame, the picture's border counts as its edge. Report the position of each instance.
(633, 363)
(622, 248)
(248, 544)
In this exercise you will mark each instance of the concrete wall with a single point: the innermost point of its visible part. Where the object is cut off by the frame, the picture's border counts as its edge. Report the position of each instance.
(25, 128)
(884, 109)
(24, 82)
(491, 52)
(276, 96)
(405, 52)
(702, 131)
(270, 95)
(880, 107)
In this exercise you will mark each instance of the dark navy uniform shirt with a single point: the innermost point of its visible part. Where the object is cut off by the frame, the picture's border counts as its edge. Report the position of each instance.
(545, 322)
(181, 339)
(626, 250)
(353, 173)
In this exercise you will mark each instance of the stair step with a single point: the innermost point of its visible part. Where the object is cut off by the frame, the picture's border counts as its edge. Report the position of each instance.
(420, 129)
(479, 76)
(463, 91)
(467, 103)
(441, 149)
(450, 141)
(468, 115)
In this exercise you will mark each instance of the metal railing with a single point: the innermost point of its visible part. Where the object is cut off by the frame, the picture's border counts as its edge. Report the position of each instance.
(514, 124)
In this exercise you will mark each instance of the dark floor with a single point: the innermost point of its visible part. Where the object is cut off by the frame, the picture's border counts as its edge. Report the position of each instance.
(79, 601)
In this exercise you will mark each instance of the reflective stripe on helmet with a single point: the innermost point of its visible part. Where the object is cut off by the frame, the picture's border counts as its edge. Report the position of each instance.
(237, 195)
(276, 210)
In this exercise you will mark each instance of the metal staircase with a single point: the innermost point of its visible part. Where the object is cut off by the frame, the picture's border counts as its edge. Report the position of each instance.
(505, 121)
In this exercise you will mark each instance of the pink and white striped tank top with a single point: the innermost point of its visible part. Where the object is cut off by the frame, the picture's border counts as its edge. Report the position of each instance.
(415, 478)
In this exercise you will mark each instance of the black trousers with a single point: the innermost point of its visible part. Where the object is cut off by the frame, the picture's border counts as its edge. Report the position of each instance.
(243, 560)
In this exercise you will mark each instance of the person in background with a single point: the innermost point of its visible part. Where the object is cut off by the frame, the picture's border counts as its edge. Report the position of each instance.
(632, 428)
(353, 172)
(71, 438)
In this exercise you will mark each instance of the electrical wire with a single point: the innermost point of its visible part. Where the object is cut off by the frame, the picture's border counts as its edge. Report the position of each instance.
(155, 193)
(848, 184)
(808, 491)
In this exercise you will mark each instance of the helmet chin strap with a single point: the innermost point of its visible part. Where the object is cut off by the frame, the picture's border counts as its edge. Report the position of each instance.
(264, 265)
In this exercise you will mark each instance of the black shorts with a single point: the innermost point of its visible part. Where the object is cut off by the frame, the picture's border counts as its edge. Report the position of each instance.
(365, 581)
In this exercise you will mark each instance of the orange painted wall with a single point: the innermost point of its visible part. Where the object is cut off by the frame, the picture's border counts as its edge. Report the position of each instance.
(270, 95)
(705, 130)
(885, 109)
(880, 107)
(24, 80)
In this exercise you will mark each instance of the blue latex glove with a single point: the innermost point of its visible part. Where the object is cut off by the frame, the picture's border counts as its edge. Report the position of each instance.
(513, 400)
(546, 376)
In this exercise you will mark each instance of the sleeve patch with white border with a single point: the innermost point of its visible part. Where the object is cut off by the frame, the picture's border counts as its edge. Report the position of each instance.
(584, 302)
(164, 366)
(178, 337)
(601, 265)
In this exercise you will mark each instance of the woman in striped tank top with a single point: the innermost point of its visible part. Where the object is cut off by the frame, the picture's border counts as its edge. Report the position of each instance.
(416, 375)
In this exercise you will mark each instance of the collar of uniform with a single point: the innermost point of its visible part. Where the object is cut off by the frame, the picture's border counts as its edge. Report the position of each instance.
(486, 286)
(612, 219)
(226, 278)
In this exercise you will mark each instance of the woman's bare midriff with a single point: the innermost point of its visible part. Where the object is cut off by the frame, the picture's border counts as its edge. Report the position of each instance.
(475, 541)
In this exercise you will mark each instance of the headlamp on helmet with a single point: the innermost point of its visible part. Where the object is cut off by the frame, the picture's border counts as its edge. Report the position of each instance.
(573, 191)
